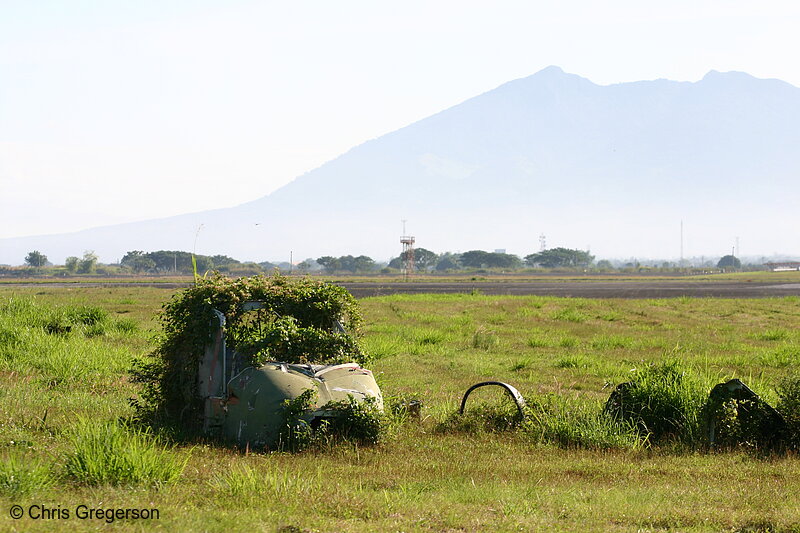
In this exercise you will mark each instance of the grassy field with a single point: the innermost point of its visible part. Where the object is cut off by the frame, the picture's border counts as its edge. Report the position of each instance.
(487, 277)
(61, 390)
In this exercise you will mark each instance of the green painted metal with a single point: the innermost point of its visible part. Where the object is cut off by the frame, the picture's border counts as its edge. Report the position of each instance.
(246, 405)
(256, 396)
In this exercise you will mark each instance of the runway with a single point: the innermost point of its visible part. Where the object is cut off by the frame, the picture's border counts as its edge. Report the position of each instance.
(582, 289)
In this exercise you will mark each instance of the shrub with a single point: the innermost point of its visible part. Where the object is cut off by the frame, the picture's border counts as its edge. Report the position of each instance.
(297, 434)
(347, 421)
(353, 421)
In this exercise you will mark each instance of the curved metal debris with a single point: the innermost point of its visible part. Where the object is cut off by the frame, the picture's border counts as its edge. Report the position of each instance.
(512, 391)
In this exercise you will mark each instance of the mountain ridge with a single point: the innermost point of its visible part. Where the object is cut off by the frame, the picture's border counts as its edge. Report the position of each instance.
(614, 166)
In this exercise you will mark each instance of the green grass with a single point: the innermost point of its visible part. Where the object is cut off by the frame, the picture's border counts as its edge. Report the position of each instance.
(566, 468)
(110, 453)
(24, 475)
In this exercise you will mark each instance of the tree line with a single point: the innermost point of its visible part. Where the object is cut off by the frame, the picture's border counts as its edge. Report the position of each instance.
(166, 261)
(180, 262)
(428, 261)
(158, 262)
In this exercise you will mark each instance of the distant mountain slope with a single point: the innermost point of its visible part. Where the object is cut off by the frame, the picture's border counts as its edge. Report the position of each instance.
(612, 167)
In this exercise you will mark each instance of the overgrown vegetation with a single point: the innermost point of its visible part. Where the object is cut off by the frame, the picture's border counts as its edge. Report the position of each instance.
(299, 323)
(357, 422)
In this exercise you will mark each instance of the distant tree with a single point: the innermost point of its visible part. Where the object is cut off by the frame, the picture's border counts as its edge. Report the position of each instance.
(347, 262)
(204, 263)
(312, 264)
(71, 264)
(178, 261)
(475, 259)
(729, 261)
(559, 257)
(166, 260)
(605, 264)
(423, 260)
(36, 259)
(481, 259)
(500, 260)
(330, 264)
(448, 261)
(138, 261)
(303, 266)
(239, 269)
(267, 266)
(363, 263)
(222, 260)
(128, 258)
(88, 264)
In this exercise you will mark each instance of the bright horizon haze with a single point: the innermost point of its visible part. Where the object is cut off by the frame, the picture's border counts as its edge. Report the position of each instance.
(113, 112)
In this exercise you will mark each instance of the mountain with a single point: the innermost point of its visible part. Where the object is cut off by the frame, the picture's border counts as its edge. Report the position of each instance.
(615, 167)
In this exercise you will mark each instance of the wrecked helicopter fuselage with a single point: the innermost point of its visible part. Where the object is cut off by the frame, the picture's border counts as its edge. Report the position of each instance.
(246, 404)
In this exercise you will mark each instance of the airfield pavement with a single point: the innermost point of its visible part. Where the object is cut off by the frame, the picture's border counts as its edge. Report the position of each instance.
(564, 288)
(582, 289)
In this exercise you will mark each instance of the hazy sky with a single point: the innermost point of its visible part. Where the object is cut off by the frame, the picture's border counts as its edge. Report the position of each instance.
(114, 111)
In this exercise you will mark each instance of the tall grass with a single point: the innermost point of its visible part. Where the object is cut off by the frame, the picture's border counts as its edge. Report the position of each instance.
(24, 475)
(482, 417)
(571, 424)
(61, 344)
(663, 400)
(789, 405)
(548, 419)
(109, 453)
